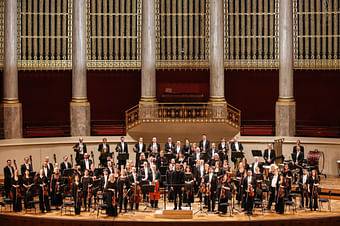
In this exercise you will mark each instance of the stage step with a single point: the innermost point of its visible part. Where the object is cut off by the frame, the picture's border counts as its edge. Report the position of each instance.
(174, 214)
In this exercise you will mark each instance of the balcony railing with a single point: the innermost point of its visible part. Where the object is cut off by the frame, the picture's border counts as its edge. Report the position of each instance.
(183, 113)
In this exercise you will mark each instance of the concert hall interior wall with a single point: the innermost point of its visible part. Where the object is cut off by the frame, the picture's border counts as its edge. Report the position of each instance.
(45, 97)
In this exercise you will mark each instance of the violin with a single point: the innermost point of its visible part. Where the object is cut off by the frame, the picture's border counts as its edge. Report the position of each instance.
(251, 191)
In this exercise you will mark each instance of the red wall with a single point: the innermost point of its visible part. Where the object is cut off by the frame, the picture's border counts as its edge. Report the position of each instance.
(111, 93)
(45, 95)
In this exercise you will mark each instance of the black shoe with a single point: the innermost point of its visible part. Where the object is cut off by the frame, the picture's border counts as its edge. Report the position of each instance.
(175, 208)
(180, 208)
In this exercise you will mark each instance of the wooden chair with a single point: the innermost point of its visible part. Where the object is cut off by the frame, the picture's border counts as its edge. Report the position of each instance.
(326, 200)
(68, 204)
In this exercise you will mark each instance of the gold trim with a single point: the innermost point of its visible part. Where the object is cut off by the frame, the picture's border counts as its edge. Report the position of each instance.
(79, 100)
(10, 101)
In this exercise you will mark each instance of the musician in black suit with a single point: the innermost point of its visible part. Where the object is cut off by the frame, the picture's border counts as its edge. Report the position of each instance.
(249, 183)
(204, 144)
(212, 151)
(122, 148)
(154, 148)
(86, 163)
(145, 179)
(178, 149)
(47, 170)
(298, 154)
(177, 183)
(236, 147)
(104, 150)
(26, 166)
(65, 164)
(169, 146)
(80, 149)
(187, 147)
(211, 183)
(9, 176)
(223, 148)
(42, 185)
(138, 149)
(256, 164)
(269, 155)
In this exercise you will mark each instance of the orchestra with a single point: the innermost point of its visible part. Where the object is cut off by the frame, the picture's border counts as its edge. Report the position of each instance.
(181, 173)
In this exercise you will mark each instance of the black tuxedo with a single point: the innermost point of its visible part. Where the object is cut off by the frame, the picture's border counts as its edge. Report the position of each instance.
(213, 187)
(233, 149)
(49, 172)
(83, 165)
(122, 148)
(79, 156)
(272, 156)
(205, 147)
(63, 166)
(23, 168)
(101, 147)
(259, 164)
(187, 149)
(233, 146)
(247, 202)
(211, 154)
(151, 151)
(302, 148)
(223, 152)
(132, 180)
(298, 158)
(177, 181)
(138, 151)
(168, 148)
(175, 150)
(8, 178)
(104, 154)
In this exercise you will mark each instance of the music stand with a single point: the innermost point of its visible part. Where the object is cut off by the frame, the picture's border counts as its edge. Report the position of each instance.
(256, 153)
(147, 188)
(98, 171)
(68, 173)
(169, 156)
(123, 156)
(32, 174)
(237, 155)
(204, 156)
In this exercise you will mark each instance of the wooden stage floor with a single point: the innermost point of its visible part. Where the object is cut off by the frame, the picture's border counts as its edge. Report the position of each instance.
(147, 217)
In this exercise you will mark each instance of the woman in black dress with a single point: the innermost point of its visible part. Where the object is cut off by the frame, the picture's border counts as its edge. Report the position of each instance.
(56, 192)
(28, 189)
(110, 196)
(77, 194)
(188, 187)
(16, 191)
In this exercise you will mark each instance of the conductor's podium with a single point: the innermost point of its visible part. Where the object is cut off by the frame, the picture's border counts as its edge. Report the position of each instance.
(174, 214)
(181, 120)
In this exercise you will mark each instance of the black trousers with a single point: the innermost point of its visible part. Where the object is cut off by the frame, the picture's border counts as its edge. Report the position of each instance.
(178, 192)
(211, 201)
(44, 202)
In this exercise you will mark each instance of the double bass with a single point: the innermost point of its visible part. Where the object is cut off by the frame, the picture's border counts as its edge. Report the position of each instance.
(155, 195)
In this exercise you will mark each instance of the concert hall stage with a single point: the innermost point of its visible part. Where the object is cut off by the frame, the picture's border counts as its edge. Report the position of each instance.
(302, 217)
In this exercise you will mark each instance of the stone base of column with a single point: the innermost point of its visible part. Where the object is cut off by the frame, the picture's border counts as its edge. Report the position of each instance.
(147, 108)
(80, 117)
(285, 118)
(219, 107)
(12, 113)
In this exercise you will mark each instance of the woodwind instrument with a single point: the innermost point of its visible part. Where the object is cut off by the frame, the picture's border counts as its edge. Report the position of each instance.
(31, 162)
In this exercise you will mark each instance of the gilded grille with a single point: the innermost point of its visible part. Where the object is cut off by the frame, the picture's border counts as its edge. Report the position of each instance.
(182, 33)
(44, 34)
(114, 31)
